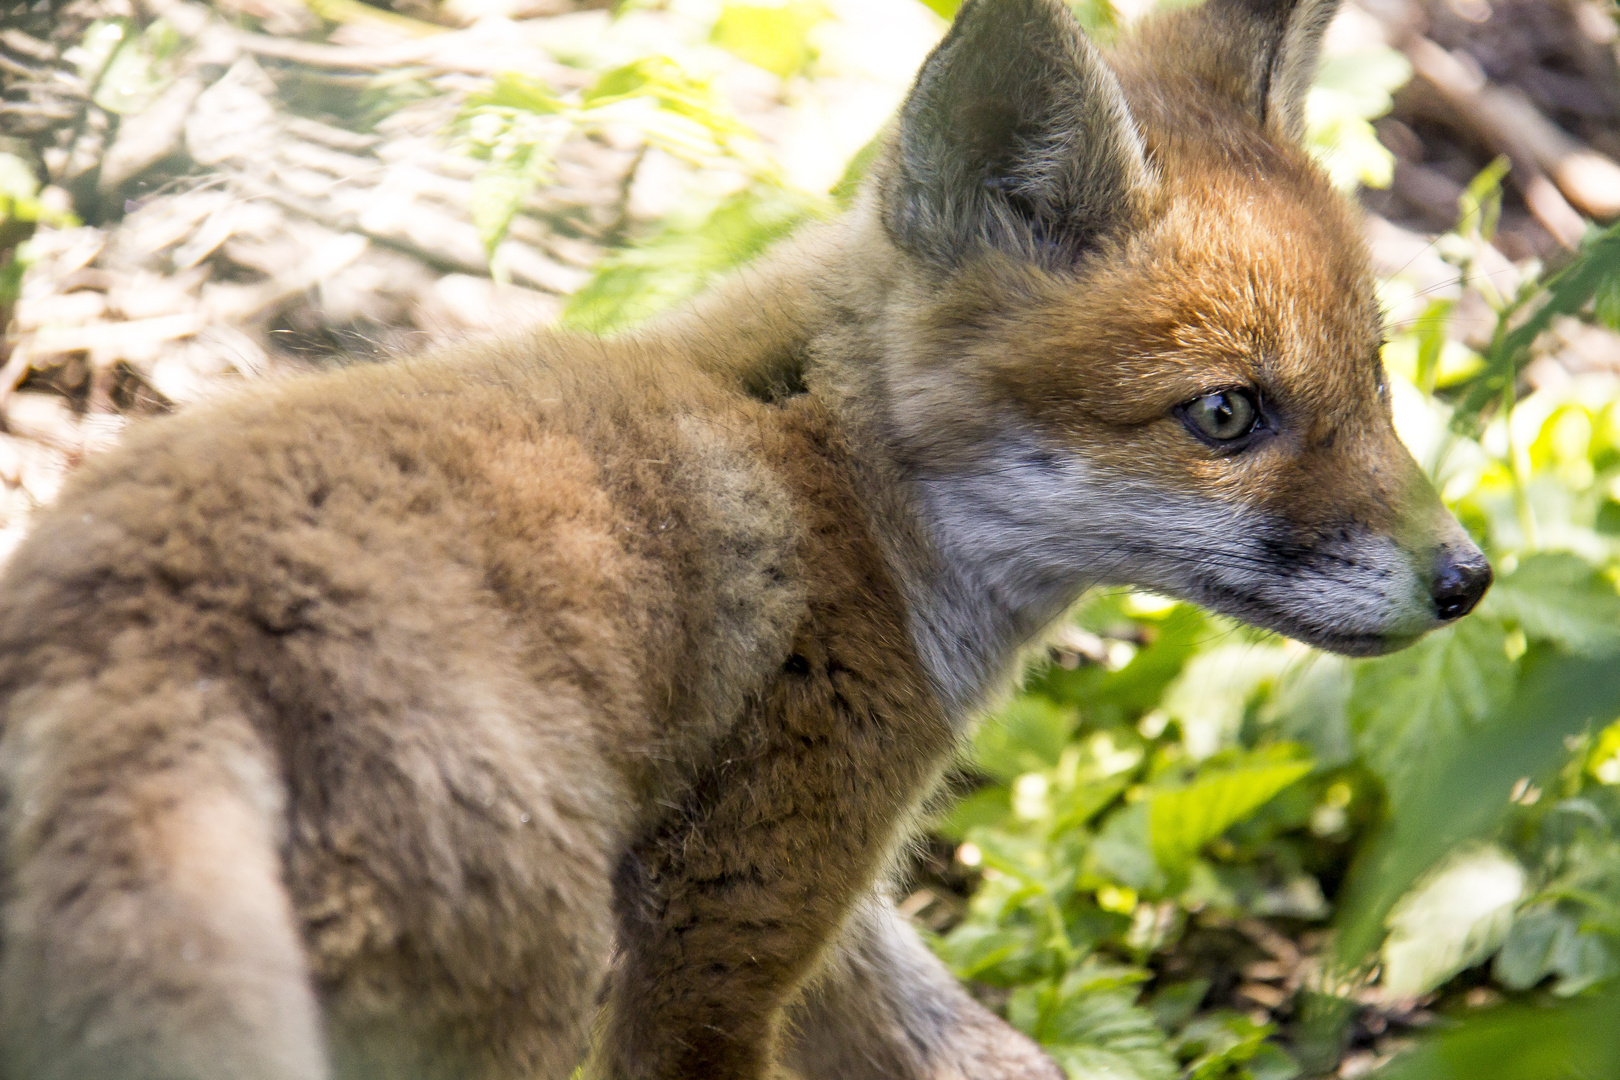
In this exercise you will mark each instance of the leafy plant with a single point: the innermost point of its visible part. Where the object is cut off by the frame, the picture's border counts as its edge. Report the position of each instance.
(515, 127)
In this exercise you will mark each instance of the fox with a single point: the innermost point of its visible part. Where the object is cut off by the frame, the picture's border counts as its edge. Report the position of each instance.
(553, 705)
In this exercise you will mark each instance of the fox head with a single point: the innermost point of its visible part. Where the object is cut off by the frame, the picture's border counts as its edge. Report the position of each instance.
(1139, 340)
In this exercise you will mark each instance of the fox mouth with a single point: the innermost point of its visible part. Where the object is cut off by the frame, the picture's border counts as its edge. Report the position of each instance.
(1350, 644)
(1258, 611)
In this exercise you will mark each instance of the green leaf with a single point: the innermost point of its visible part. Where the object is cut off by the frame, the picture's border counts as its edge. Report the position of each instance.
(1027, 735)
(1214, 1044)
(515, 91)
(1596, 265)
(774, 37)
(1454, 919)
(1481, 201)
(1578, 1040)
(1559, 597)
(989, 806)
(1549, 941)
(1271, 1062)
(1527, 955)
(1606, 302)
(1175, 1004)
(1123, 851)
(1466, 782)
(497, 192)
(1440, 689)
(1182, 820)
(1210, 695)
(974, 949)
(139, 69)
(635, 283)
(1099, 1034)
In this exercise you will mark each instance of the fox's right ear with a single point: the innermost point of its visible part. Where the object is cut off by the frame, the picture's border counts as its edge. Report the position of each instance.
(1015, 137)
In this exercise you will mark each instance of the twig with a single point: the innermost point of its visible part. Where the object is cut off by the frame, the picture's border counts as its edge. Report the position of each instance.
(1550, 167)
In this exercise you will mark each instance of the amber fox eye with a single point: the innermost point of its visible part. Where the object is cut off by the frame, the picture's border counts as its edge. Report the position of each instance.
(1224, 419)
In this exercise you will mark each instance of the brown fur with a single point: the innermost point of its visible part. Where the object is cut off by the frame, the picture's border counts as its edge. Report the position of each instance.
(353, 728)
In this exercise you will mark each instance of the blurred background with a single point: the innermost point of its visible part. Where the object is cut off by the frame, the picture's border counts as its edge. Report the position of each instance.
(1186, 849)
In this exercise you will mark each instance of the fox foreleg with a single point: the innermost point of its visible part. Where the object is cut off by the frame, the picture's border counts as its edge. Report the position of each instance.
(728, 910)
(885, 1008)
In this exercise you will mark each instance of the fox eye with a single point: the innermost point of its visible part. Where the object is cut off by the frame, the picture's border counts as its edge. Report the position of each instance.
(1225, 418)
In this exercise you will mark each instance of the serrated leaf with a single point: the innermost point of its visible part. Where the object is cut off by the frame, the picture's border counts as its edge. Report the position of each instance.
(1438, 690)
(1465, 784)
(1215, 1044)
(1182, 820)
(973, 950)
(1102, 1034)
(1560, 597)
(1453, 919)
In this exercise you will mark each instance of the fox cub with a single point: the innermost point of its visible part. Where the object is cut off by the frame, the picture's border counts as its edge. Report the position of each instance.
(559, 700)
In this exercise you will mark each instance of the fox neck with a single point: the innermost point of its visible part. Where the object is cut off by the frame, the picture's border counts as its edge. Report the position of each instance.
(982, 574)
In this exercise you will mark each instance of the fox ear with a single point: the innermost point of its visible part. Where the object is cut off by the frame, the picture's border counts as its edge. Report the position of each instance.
(1261, 52)
(1015, 137)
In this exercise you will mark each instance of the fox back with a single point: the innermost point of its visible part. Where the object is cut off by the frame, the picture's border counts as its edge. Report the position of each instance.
(552, 700)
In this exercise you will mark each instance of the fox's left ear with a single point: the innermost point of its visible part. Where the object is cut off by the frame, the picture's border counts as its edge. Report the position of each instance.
(1263, 53)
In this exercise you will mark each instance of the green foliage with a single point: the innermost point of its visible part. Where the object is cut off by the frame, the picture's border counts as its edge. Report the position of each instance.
(685, 255)
(775, 37)
(1438, 693)
(1182, 819)
(1580, 1041)
(1351, 90)
(1559, 597)
(20, 212)
(515, 127)
(1097, 16)
(1594, 274)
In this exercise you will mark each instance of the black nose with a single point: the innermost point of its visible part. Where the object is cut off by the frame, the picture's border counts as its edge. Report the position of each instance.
(1460, 579)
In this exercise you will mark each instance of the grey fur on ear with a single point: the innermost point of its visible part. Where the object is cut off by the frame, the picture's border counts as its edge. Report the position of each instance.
(1276, 44)
(1015, 137)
